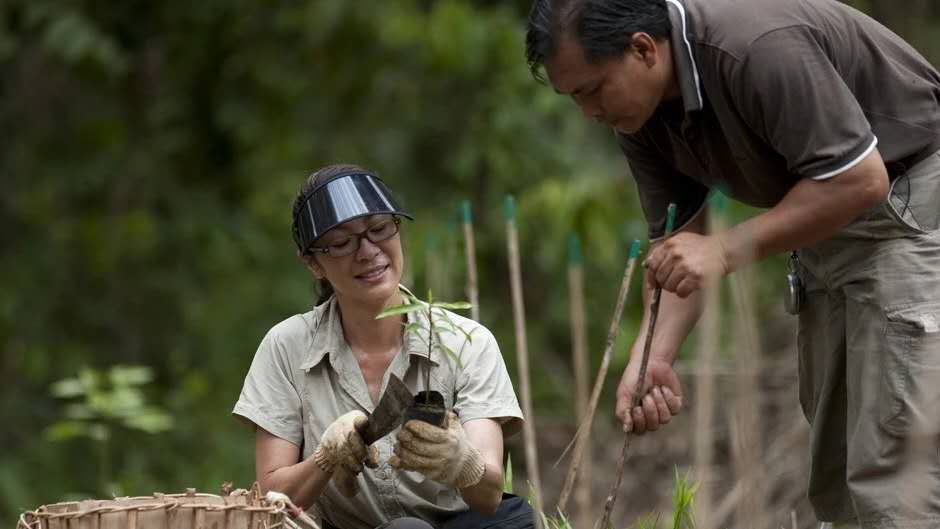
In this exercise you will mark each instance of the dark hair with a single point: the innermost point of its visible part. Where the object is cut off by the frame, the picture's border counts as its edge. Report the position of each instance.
(324, 288)
(603, 28)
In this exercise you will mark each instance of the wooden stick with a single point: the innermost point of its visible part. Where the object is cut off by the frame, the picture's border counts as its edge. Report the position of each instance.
(471, 254)
(579, 360)
(705, 391)
(746, 429)
(522, 351)
(584, 428)
(638, 389)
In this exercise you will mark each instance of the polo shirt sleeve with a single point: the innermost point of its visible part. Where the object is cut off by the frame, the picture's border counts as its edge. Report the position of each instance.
(484, 389)
(659, 184)
(269, 398)
(790, 93)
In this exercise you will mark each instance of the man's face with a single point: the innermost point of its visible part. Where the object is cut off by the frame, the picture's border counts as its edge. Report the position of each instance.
(622, 92)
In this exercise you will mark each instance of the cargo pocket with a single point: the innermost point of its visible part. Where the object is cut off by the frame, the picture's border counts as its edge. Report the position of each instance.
(910, 389)
(912, 201)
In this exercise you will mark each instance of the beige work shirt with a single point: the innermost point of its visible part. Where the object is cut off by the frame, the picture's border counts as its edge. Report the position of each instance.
(304, 376)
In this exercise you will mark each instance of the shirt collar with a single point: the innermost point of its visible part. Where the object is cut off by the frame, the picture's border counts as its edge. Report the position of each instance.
(328, 339)
(683, 58)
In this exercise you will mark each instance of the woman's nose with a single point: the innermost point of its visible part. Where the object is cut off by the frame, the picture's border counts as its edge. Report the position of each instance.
(367, 249)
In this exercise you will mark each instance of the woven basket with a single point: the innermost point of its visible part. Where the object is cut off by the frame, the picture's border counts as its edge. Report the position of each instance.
(239, 510)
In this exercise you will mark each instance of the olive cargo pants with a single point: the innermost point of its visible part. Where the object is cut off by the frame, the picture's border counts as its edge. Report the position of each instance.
(869, 355)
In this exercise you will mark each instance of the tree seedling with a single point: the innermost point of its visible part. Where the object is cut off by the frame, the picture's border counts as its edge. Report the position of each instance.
(428, 405)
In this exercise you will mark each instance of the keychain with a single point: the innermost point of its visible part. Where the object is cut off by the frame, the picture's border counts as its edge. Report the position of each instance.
(795, 289)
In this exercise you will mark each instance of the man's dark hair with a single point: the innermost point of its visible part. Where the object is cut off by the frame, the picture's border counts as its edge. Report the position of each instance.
(603, 28)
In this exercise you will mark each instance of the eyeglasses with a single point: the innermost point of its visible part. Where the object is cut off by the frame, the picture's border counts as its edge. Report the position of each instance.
(381, 231)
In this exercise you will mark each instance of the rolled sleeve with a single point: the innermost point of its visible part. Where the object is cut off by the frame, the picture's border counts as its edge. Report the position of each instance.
(269, 398)
(794, 97)
(659, 185)
(484, 389)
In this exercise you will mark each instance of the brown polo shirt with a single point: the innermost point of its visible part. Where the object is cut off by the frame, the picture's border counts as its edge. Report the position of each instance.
(774, 91)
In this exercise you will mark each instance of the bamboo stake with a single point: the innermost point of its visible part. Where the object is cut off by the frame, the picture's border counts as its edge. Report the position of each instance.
(638, 389)
(705, 392)
(581, 366)
(522, 350)
(746, 438)
(584, 428)
(471, 255)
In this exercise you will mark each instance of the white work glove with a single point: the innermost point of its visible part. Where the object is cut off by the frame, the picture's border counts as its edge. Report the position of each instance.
(444, 455)
(342, 452)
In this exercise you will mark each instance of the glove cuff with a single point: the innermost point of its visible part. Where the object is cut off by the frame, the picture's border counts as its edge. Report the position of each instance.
(472, 469)
(322, 460)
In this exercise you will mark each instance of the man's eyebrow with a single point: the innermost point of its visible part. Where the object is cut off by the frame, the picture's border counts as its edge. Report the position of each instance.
(579, 89)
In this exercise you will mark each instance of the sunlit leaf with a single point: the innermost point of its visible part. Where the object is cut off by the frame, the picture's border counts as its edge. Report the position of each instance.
(150, 421)
(66, 430)
(130, 375)
(66, 388)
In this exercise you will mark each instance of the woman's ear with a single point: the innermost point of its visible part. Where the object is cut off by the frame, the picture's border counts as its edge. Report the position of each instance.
(310, 261)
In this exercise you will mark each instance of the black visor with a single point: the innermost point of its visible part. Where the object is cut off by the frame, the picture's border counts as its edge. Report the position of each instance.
(338, 200)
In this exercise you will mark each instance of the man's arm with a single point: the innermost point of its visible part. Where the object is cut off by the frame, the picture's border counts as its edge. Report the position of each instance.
(676, 319)
(810, 212)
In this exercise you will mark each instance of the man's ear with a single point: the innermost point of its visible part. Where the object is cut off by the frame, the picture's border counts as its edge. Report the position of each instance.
(645, 46)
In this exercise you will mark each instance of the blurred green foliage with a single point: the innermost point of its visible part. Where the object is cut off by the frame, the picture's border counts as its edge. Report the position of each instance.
(149, 155)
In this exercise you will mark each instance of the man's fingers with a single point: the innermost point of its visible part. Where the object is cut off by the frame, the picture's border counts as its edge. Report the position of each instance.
(673, 401)
(651, 412)
(665, 270)
(672, 282)
(664, 414)
(639, 420)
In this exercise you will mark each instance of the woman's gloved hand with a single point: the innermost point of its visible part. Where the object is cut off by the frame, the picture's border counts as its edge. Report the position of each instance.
(342, 452)
(442, 454)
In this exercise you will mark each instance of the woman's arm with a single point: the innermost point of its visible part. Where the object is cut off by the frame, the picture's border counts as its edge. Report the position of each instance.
(278, 467)
(487, 436)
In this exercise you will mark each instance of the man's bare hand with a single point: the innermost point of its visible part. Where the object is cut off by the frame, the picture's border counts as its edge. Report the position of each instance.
(686, 262)
(662, 396)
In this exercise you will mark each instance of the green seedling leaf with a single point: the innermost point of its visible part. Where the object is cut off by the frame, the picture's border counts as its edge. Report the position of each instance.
(397, 310)
(456, 305)
(412, 327)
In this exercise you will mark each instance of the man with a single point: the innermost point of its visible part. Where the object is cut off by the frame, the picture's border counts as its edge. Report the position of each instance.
(818, 113)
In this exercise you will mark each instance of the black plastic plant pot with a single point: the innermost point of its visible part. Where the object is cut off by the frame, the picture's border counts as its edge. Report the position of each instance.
(429, 407)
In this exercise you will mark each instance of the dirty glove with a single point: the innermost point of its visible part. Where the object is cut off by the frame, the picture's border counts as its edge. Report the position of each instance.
(342, 452)
(444, 455)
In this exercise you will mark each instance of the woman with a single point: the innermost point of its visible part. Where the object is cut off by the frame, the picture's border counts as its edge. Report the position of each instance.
(316, 375)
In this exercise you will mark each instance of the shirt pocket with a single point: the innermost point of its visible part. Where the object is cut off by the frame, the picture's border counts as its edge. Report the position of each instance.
(910, 380)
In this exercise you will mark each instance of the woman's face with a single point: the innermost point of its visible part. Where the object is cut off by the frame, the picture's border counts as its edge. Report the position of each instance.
(371, 271)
